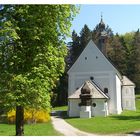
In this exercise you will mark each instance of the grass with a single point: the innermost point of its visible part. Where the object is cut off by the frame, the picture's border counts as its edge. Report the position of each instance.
(125, 123)
(41, 129)
(60, 108)
(137, 96)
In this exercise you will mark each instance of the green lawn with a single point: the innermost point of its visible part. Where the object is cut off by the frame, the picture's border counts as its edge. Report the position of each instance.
(41, 129)
(60, 108)
(127, 122)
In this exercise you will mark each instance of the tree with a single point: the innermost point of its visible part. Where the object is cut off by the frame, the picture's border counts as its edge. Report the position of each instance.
(85, 36)
(60, 92)
(136, 59)
(116, 53)
(78, 44)
(74, 50)
(128, 43)
(32, 52)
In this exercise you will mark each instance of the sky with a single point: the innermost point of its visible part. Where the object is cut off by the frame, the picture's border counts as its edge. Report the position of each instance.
(121, 18)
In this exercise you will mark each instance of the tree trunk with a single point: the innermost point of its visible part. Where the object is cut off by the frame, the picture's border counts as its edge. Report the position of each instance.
(19, 121)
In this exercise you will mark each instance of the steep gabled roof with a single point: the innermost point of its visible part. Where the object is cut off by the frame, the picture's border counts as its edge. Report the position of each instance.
(96, 92)
(93, 48)
(127, 82)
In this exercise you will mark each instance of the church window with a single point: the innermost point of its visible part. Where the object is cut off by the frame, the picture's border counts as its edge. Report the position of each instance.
(91, 78)
(94, 104)
(85, 58)
(105, 90)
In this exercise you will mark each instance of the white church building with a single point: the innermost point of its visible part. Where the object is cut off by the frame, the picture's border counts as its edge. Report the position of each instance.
(110, 92)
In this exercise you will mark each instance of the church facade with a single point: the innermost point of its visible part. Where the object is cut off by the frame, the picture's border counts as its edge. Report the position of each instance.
(110, 92)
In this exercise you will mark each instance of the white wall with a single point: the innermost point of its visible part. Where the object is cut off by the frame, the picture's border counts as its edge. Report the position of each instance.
(97, 66)
(114, 104)
(91, 59)
(118, 96)
(128, 98)
(99, 109)
(74, 108)
(102, 79)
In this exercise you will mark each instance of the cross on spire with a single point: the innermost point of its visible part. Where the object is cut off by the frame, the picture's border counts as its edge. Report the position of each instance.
(101, 16)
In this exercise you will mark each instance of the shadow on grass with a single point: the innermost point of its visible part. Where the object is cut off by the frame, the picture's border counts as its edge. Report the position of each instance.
(3, 119)
(61, 114)
(136, 133)
(64, 115)
(136, 118)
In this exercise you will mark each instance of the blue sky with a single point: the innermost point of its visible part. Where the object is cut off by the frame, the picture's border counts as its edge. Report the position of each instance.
(120, 18)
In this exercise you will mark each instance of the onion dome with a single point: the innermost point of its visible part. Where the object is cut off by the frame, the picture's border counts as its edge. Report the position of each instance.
(101, 24)
(85, 89)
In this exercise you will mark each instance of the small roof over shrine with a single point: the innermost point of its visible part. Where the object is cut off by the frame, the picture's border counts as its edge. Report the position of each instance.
(95, 91)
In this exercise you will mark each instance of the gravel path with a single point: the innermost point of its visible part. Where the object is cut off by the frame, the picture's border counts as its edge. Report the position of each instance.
(66, 129)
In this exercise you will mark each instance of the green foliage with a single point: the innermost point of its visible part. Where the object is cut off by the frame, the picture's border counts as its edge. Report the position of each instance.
(32, 52)
(32, 55)
(85, 36)
(116, 53)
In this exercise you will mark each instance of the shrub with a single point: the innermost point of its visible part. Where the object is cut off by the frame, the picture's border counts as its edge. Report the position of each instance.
(30, 116)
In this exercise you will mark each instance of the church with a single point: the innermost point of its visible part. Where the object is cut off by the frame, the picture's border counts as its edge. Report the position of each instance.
(95, 86)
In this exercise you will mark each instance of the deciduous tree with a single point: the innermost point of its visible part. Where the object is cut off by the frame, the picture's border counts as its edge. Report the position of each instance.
(32, 52)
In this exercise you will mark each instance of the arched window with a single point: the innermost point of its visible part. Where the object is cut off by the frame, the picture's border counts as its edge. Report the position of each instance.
(91, 78)
(94, 104)
(85, 58)
(105, 90)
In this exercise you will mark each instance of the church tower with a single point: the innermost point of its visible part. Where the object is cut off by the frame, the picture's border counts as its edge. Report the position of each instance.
(100, 34)
(102, 37)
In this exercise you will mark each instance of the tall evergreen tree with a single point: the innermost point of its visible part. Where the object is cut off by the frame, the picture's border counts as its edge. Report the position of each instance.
(74, 48)
(85, 36)
(136, 58)
(127, 41)
(79, 43)
(116, 53)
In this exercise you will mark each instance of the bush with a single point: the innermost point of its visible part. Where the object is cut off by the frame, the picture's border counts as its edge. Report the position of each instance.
(30, 116)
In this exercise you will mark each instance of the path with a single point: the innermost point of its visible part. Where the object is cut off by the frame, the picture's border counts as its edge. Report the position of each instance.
(66, 129)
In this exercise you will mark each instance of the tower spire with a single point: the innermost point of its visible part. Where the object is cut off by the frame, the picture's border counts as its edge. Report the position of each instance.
(102, 36)
(101, 24)
(101, 16)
